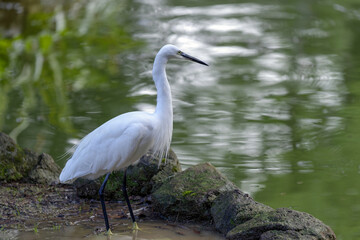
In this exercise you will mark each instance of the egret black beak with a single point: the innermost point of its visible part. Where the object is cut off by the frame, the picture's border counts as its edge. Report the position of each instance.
(192, 58)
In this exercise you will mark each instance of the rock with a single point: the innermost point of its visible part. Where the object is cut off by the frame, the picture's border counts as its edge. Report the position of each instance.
(190, 194)
(282, 223)
(22, 164)
(233, 208)
(142, 178)
(13, 162)
(88, 188)
(168, 168)
(148, 174)
(284, 235)
(46, 171)
(202, 193)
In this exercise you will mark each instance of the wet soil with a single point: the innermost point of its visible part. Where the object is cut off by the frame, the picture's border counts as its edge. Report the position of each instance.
(25, 206)
(35, 211)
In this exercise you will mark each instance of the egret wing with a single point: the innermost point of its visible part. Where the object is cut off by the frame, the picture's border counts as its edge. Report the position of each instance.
(114, 145)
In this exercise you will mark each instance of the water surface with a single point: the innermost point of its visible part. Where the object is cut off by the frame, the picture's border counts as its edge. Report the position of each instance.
(277, 111)
(121, 231)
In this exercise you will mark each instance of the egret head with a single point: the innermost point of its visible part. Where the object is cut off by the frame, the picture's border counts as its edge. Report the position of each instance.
(171, 51)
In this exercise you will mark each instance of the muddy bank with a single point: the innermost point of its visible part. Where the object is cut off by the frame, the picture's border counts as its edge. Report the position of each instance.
(27, 206)
(36, 211)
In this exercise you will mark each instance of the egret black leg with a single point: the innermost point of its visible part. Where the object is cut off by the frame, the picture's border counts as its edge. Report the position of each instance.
(135, 227)
(101, 193)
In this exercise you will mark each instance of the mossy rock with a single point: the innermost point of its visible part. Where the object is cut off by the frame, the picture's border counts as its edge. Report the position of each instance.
(13, 163)
(202, 193)
(17, 164)
(22, 164)
(233, 208)
(190, 194)
(142, 178)
(282, 223)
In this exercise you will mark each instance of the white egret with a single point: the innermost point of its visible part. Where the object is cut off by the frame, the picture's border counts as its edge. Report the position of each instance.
(121, 141)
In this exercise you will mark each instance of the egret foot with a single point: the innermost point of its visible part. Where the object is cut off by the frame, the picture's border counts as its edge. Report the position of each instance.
(108, 232)
(135, 227)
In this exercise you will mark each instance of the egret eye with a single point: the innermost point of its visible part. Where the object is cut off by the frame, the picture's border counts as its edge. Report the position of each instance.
(179, 52)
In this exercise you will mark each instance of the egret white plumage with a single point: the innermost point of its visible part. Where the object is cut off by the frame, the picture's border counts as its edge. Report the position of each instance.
(121, 141)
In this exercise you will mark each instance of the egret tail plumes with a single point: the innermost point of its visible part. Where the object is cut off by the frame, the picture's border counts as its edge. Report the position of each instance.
(123, 140)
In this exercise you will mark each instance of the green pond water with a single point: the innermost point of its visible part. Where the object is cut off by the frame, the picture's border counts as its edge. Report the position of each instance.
(277, 111)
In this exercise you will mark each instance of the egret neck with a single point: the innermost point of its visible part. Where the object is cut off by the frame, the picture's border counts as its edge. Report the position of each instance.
(164, 104)
(164, 110)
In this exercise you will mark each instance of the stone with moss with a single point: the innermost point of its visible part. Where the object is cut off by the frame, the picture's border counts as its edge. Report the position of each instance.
(190, 194)
(202, 193)
(13, 162)
(233, 208)
(282, 223)
(17, 164)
